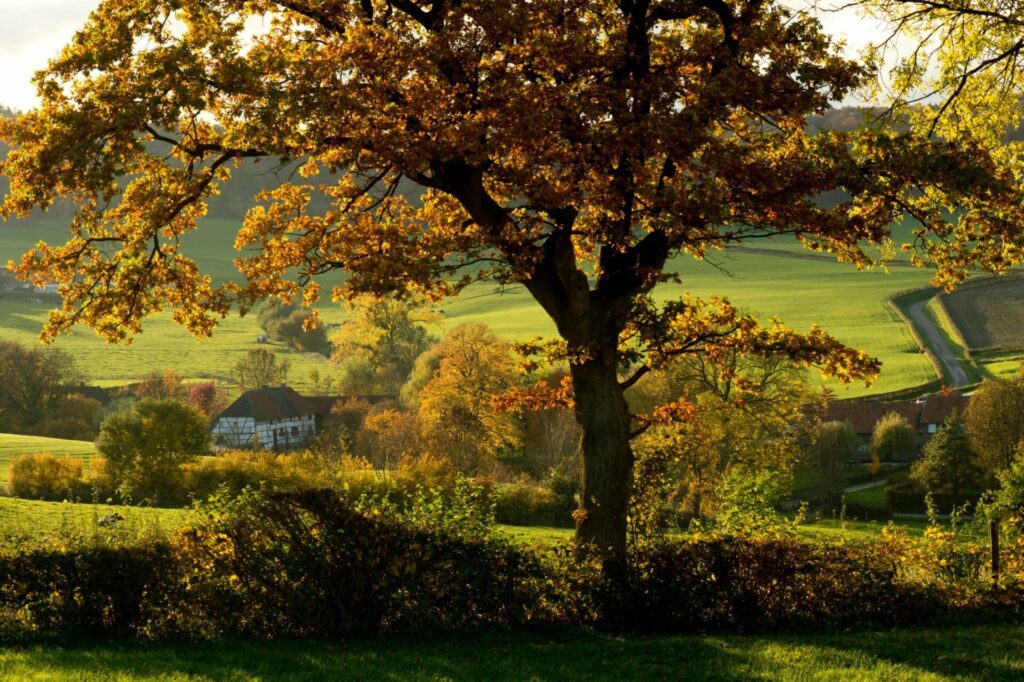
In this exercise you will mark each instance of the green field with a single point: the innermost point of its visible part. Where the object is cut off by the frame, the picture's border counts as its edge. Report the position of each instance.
(32, 518)
(965, 652)
(12, 446)
(770, 282)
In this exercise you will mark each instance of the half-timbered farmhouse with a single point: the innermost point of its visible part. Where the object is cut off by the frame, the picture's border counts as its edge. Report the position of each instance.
(275, 418)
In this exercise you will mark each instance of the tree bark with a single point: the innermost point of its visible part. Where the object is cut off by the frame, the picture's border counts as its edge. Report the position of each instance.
(607, 470)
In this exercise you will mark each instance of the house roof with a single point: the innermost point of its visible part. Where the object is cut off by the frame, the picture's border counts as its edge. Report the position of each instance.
(270, 404)
(97, 393)
(938, 407)
(864, 414)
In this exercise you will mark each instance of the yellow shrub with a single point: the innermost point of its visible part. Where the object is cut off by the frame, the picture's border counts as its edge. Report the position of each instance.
(45, 477)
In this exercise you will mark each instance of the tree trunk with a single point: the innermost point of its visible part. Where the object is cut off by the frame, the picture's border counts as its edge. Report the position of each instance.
(603, 415)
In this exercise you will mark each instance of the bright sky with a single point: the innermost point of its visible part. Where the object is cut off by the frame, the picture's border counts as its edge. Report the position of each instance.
(33, 31)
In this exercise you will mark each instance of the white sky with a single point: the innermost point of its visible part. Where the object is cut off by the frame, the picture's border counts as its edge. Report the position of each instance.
(33, 31)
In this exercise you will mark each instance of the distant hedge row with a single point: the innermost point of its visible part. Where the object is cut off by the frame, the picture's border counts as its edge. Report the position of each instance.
(45, 477)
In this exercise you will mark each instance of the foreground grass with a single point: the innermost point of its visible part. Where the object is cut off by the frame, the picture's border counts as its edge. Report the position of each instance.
(980, 652)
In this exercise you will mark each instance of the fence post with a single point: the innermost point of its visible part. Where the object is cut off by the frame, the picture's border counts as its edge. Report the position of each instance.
(994, 534)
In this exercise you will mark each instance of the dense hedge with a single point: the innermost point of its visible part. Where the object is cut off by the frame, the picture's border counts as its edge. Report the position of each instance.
(102, 590)
(906, 499)
(309, 564)
(729, 581)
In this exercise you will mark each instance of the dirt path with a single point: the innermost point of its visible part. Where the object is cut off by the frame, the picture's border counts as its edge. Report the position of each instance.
(934, 338)
(866, 486)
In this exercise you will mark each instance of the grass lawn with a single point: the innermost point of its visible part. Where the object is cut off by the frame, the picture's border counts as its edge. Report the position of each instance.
(32, 517)
(29, 517)
(12, 446)
(872, 497)
(802, 291)
(975, 652)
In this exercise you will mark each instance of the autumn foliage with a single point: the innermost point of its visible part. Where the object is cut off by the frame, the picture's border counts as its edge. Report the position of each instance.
(572, 147)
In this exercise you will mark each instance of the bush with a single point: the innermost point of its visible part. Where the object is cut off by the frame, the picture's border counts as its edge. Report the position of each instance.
(530, 505)
(234, 471)
(93, 590)
(304, 564)
(313, 563)
(45, 477)
(731, 581)
(907, 499)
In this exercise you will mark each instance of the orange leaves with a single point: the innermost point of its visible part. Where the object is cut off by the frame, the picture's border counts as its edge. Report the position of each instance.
(536, 397)
(716, 328)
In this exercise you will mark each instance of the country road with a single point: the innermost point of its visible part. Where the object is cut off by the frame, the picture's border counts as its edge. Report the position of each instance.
(934, 338)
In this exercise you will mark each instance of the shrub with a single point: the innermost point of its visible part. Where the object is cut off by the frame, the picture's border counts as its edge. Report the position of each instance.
(66, 428)
(907, 499)
(234, 471)
(313, 563)
(147, 446)
(301, 564)
(751, 582)
(94, 590)
(45, 477)
(531, 505)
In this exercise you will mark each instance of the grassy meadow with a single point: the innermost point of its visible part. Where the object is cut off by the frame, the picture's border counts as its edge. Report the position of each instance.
(935, 654)
(770, 282)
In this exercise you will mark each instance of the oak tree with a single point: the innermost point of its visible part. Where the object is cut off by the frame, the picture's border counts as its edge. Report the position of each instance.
(573, 146)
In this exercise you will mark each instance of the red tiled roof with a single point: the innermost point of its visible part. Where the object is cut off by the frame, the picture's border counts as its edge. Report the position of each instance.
(864, 414)
(938, 407)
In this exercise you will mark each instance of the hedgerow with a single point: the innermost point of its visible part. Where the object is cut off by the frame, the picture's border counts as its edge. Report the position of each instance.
(317, 563)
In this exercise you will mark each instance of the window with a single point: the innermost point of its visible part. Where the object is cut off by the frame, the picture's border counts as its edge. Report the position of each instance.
(295, 430)
(932, 428)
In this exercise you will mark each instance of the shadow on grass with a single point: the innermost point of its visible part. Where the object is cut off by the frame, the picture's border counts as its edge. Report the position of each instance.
(986, 652)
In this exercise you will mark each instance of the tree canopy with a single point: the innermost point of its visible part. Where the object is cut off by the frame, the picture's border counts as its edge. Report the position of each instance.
(574, 147)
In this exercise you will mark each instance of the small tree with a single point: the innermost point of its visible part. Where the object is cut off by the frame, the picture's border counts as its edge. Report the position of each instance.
(894, 438)
(207, 399)
(834, 444)
(1009, 497)
(146, 446)
(949, 463)
(378, 344)
(457, 416)
(33, 382)
(165, 385)
(995, 423)
(261, 368)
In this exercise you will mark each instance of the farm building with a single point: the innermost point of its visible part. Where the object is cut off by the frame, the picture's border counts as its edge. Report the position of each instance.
(276, 418)
(926, 414)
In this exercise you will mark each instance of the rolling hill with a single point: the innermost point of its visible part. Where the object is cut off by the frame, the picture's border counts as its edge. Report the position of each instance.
(769, 281)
